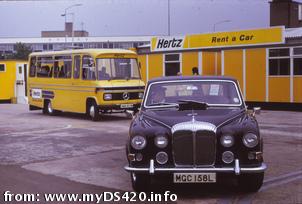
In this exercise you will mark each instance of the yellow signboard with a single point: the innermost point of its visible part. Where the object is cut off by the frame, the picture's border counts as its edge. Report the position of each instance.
(272, 35)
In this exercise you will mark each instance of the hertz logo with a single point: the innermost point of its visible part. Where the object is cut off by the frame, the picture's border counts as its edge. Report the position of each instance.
(169, 43)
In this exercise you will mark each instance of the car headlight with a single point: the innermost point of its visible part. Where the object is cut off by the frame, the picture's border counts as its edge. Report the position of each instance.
(107, 96)
(161, 141)
(227, 140)
(250, 140)
(140, 95)
(138, 142)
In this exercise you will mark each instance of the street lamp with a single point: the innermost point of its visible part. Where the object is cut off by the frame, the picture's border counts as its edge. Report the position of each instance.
(220, 22)
(169, 18)
(65, 14)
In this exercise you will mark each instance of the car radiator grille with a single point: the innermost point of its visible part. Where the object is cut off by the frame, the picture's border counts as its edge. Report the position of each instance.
(192, 148)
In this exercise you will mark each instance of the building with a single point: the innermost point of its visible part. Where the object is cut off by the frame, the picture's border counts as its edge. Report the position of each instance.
(7, 45)
(68, 32)
(13, 81)
(267, 62)
(286, 12)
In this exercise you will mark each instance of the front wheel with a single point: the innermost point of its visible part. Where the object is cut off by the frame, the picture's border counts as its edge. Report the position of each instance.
(48, 109)
(140, 182)
(250, 182)
(93, 111)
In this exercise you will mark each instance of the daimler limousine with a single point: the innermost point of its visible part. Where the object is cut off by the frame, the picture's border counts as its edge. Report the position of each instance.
(195, 130)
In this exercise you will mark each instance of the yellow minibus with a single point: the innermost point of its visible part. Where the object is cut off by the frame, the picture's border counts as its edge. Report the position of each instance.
(91, 81)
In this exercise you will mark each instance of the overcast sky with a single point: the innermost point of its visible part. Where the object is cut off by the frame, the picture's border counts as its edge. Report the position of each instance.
(132, 17)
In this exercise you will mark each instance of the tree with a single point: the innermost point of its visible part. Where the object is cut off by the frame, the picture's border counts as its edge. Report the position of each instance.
(22, 51)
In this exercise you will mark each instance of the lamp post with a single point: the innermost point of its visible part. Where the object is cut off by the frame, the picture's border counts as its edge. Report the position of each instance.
(169, 18)
(220, 22)
(65, 15)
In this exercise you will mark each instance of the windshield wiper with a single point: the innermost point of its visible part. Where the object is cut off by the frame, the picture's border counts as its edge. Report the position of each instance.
(192, 104)
(165, 104)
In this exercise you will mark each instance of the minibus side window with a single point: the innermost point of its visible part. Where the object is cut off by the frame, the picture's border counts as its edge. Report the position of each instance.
(32, 68)
(44, 66)
(62, 66)
(76, 66)
(88, 68)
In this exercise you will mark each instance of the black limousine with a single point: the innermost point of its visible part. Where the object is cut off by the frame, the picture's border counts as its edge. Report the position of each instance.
(195, 130)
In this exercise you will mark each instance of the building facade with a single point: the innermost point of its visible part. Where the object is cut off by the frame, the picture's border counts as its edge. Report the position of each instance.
(266, 62)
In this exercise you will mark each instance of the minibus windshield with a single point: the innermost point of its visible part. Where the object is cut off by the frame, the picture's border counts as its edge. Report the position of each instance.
(117, 68)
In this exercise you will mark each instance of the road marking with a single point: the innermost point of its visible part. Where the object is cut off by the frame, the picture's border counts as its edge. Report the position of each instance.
(36, 131)
(281, 133)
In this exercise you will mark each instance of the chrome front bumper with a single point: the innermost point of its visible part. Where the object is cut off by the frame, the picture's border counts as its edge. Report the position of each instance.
(236, 169)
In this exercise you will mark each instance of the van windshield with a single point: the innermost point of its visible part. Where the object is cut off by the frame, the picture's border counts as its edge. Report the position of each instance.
(117, 68)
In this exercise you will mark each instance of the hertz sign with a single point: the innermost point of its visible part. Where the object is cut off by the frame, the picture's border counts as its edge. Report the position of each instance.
(272, 35)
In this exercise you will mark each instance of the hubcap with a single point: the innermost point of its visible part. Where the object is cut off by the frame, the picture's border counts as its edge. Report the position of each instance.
(49, 107)
(92, 111)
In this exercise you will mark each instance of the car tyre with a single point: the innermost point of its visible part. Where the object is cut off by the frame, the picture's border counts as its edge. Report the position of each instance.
(140, 182)
(250, 182)
(93, 111)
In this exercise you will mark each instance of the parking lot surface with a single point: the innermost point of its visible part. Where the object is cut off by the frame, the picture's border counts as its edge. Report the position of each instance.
(70, 154)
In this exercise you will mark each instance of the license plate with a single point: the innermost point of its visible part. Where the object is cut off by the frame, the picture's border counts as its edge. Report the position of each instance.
(194, 178)
(126, 105)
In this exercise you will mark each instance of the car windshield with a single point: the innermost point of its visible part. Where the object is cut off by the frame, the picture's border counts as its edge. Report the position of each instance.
(210, 92)
(117, 68)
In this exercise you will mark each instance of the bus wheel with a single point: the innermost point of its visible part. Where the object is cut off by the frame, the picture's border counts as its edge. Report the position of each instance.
(93, 111)
(47, 109)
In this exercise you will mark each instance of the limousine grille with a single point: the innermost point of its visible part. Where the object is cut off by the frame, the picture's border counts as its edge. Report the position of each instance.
(194, 147)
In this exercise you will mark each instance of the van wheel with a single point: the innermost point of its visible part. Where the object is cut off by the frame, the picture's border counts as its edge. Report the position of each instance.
(140, 182)
(47, 109)
(93, 111)
(250, 182)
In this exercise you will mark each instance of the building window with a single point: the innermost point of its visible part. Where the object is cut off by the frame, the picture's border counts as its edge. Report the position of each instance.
(297, 54)
(300, 12)
(2, 67)
(172, 64)
(279, 62)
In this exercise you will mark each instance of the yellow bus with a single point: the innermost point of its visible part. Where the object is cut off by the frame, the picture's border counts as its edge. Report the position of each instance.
(91, 81)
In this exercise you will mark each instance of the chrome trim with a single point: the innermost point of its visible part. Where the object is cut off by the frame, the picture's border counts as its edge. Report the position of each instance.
(237, 167)
(259, 169)
(151, 169)
(194, 126)
(192, 80)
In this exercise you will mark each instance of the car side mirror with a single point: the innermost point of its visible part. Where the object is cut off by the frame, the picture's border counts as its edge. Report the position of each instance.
(130, 114)
(256, 111)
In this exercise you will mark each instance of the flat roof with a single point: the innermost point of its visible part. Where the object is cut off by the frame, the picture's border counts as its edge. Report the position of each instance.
(76, 39)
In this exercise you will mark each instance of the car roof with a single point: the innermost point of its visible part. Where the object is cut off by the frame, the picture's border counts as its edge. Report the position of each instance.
(173, 78)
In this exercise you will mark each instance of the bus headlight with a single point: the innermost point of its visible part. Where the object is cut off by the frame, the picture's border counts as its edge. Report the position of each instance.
(250, 140)
(161, 141)
(107, 97)
(138, 142)
(140, 95)
(227, 140)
